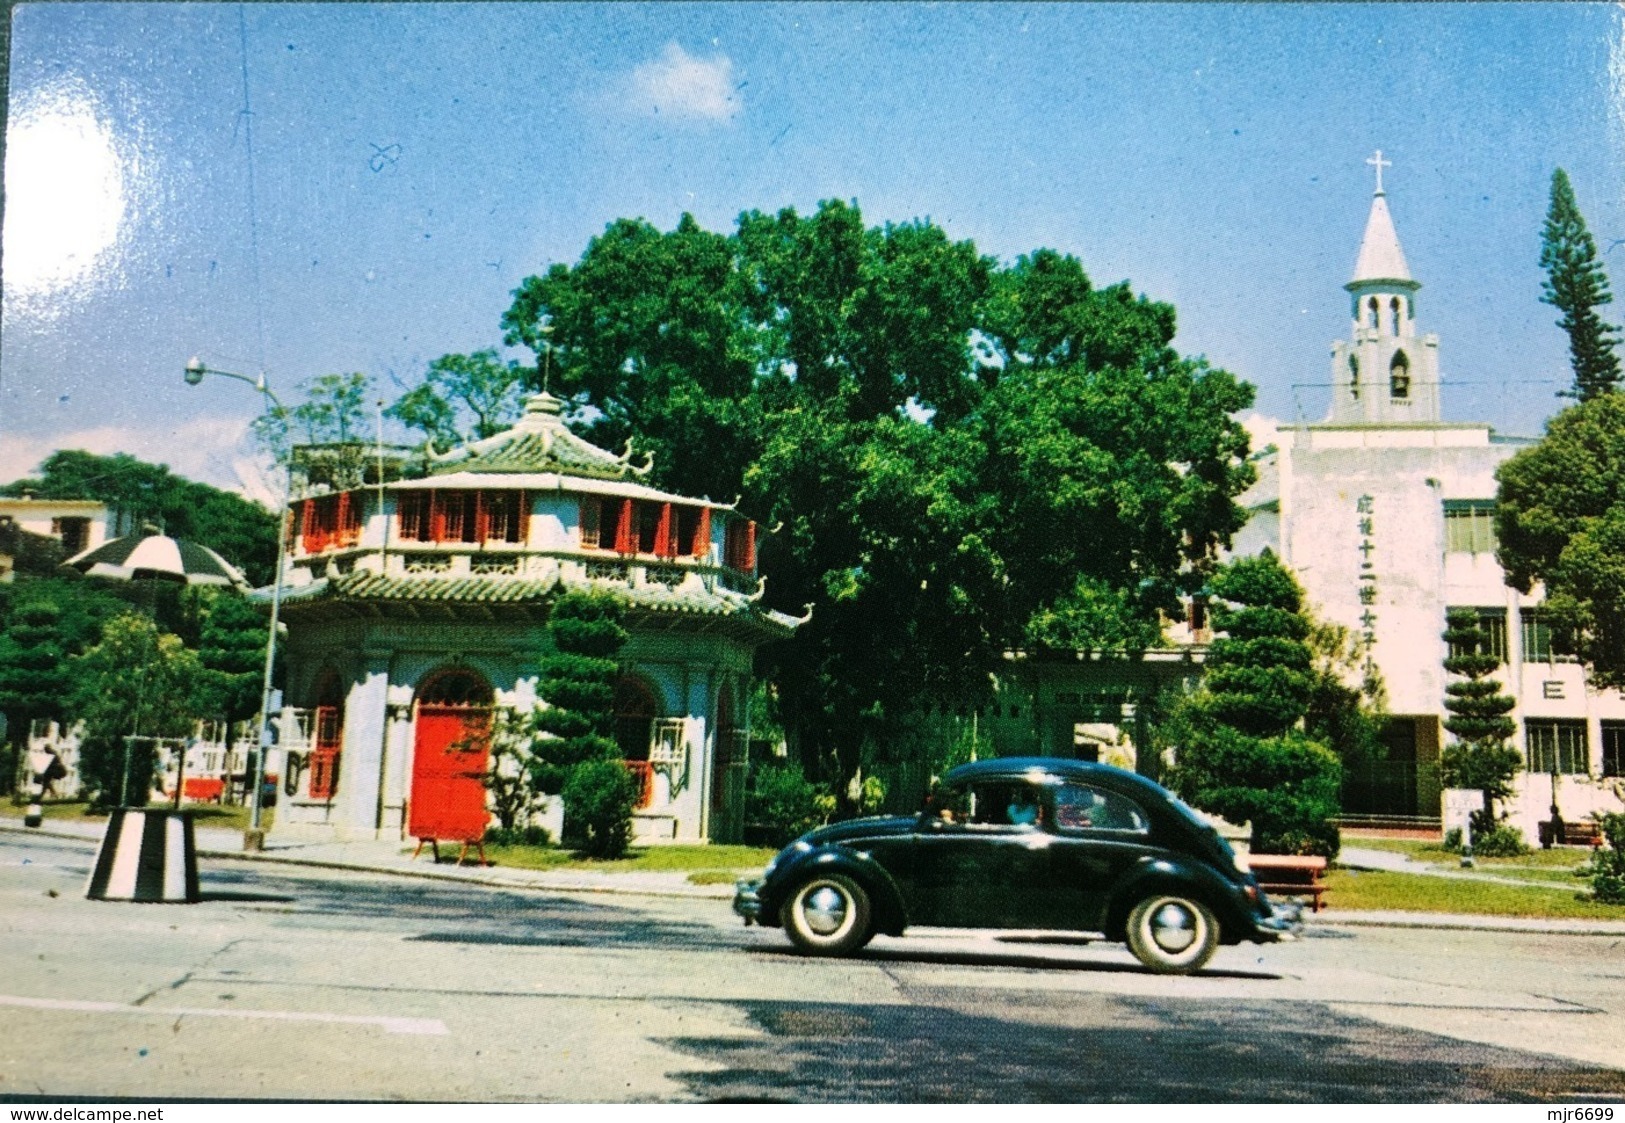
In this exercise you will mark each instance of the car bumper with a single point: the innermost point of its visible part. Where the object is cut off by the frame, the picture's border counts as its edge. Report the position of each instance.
(1285, 922)
(748, 900)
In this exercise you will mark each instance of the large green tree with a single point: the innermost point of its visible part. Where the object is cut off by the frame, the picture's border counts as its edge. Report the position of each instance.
(1577, 286)
(1242, 752)
(136, 685)
(955, 456)
(462, 398)
(1479, 758)
(1560, 520)
(33, 676)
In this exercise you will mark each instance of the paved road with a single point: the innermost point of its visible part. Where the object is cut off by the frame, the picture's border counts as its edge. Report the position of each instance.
(289, 983)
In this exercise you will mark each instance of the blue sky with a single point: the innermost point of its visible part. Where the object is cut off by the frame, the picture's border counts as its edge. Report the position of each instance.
(412, 163)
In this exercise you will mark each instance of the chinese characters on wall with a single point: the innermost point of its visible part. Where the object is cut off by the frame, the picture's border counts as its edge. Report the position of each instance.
(1365, 513)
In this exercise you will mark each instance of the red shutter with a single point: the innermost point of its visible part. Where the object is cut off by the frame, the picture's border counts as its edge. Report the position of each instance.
(520, 531)
(482, 517)
(750, 548)
(342, 531)
(665, 534)
(702, 535)
(626, 534)
(437, 517)
(308, 532)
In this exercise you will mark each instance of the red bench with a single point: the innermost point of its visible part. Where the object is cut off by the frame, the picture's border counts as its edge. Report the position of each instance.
(202, 789)
(1290, 875)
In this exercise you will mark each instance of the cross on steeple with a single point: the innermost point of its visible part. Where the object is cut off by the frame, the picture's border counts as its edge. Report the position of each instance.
(1379, 163)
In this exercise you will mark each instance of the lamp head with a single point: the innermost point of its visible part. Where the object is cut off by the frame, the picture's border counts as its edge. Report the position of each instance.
(194, 370)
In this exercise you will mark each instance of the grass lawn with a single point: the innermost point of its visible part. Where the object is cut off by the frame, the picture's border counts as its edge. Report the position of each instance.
(1365, 890)
(203, 814)
(1557, 859)
(705, 865)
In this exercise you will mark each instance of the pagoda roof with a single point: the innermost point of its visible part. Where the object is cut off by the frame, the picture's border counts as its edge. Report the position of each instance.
(539, 442)
(365, 588)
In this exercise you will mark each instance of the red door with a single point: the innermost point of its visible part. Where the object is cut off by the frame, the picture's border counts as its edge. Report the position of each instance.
(448, 773)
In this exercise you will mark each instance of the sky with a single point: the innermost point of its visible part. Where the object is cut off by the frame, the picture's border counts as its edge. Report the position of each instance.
(298, 189)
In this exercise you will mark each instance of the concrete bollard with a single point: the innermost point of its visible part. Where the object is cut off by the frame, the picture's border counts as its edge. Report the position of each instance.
(146, 855)
(35, 815)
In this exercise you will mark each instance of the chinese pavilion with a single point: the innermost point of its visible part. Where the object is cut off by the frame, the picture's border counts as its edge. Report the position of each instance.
(416, 608)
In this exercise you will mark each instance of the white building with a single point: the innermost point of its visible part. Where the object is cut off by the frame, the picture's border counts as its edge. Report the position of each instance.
(1385, 513)
(78, 524)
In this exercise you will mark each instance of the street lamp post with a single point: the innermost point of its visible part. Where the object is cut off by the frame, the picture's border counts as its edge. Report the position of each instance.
(254, 836)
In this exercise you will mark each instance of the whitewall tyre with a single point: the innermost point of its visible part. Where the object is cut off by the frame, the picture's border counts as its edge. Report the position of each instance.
(1172, 935)
(828, 915)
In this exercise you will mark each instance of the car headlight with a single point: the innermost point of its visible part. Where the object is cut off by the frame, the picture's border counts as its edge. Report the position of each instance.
(797, 847)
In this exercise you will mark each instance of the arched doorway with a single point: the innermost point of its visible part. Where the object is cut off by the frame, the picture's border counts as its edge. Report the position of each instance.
(450, 754)
(635, 713)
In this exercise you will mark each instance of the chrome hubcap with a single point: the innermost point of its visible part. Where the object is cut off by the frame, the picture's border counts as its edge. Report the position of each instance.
(1173, 927)
(824, 910)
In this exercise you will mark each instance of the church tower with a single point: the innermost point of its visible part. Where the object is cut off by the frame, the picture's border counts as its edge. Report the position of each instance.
(1384, 373)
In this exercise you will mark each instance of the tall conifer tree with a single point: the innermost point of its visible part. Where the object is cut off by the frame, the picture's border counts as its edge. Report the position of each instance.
(1576, 285)
(1480, 757)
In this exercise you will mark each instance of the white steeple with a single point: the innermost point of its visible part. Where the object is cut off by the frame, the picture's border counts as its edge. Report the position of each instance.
(1384, 373)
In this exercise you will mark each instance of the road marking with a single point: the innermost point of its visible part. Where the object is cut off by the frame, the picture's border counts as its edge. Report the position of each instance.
(423, 1026)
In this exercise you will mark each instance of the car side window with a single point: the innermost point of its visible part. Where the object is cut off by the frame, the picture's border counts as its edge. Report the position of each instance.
(1081, 807)
(990, 805)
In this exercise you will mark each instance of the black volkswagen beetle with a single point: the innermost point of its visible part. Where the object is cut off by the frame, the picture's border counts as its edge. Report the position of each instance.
(1022, 843)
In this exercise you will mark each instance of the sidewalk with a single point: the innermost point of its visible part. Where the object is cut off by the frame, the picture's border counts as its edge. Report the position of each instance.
(394, 858)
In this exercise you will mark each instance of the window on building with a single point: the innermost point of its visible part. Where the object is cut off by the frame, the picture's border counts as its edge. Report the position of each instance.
(1535, 627)
(74, 533)
(330, 522)
(1553, 745)
(475, 517)
(327, 738)
(1399, 377)
(1613, 748)
(1469, 526)
(1372, 312)
(1354, 378)
(1398, 313)
(1493, 623)
(667, 530)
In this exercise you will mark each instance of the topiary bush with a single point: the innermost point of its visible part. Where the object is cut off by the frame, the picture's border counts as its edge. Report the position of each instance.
(1500, 841)
(599, 798)
(1607, 866)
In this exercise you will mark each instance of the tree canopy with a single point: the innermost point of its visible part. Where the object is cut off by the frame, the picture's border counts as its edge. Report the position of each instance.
(955, 456)
(1560, 520)
(1577, 286)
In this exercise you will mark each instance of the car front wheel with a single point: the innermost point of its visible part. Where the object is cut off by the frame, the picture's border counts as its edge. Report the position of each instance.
(828, 915)
(1172, 935)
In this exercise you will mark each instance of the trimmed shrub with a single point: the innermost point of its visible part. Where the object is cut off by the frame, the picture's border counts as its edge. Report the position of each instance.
(1607, 866)
(599, 798)
(1500, 841)
(784, 804)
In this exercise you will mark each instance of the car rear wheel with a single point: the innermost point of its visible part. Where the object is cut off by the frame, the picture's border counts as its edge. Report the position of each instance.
(1172, 935)
(828, 915)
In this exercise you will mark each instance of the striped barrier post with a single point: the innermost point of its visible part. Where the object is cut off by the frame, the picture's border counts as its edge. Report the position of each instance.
(35, 815)
(146, 855)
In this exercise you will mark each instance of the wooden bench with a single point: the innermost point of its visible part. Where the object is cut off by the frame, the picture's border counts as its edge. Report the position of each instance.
(1290, 875)
(1586, 832)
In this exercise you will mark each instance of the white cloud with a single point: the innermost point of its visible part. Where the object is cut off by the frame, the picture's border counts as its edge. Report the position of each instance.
(1263, 430)
(210, 449)
(678, 85)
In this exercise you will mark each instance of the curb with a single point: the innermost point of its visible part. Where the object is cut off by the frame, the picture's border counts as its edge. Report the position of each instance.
(697, 892)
